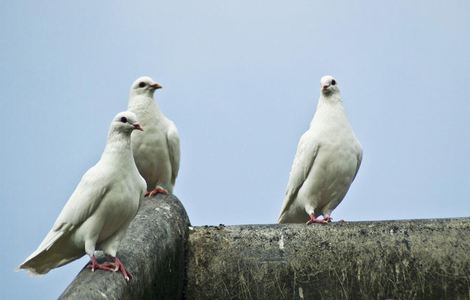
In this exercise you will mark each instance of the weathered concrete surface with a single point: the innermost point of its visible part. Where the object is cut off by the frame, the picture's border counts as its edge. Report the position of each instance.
(419, 259)
(152, 250)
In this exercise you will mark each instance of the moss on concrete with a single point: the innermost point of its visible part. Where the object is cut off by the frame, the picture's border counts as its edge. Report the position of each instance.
(152, 250)
(419, 259)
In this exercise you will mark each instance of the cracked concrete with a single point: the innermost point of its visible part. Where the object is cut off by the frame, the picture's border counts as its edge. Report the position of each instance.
(169, 259)
(416, 259)
(152, 250)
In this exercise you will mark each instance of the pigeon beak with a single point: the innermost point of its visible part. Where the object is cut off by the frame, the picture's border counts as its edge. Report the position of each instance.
(155, 86)
(138, 127)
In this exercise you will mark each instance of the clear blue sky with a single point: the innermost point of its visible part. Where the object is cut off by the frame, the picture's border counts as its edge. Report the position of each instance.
(241, 81)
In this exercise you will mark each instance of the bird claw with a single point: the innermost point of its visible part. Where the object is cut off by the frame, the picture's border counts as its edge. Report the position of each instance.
(94, 265)
(155, 191)
(314, 220)
(115, 266)
(111, 266)
(120, 267)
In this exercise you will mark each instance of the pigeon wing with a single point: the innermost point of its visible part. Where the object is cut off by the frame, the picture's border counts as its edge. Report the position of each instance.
(85, 199)
(81, 205)
(359, 161)
(173, 142)
(307, 151)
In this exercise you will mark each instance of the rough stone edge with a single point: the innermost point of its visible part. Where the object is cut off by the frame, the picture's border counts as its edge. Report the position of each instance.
(217, 235)
(158, 234)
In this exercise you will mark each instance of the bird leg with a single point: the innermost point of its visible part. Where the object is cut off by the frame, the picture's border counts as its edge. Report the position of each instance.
(328, 219)
(127, 275)
(117, 265)
(94, 265)
(314, 219)
(157, 190)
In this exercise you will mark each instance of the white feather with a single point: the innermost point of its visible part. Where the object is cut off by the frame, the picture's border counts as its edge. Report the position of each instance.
(157, 149)
(100, 209)
(326, 163)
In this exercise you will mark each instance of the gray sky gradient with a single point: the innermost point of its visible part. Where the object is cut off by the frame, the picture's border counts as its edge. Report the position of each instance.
(241, 81)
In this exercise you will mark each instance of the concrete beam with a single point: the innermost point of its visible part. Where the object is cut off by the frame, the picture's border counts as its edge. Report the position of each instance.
(417, 259)
(152, 250)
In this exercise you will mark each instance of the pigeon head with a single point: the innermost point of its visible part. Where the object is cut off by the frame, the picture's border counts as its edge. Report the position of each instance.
(126, 121)
(328, 85)
(144, 85)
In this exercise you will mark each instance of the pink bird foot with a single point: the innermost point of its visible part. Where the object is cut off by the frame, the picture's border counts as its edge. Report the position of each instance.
(314, 219)
(94, 265)
(118, 266)
(157, 190)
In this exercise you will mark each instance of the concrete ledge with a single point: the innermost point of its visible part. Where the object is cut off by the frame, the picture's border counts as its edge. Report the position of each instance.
(417, 259)
(152, 250)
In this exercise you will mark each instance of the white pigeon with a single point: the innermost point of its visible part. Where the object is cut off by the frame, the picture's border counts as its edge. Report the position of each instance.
(98, 213)
(326, 163)
(157, 149)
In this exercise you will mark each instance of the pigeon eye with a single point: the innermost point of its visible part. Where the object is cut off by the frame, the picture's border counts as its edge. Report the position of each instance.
(123, 119)
(333, 82)
(142, 84)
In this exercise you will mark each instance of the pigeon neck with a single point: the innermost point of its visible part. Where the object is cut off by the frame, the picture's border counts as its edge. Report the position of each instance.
(331, 99)
(119, 143)
(142, 104)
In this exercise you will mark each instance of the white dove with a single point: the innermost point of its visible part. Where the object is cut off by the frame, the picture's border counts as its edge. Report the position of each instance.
(98, 213)
(326, 163)
(157, 149)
